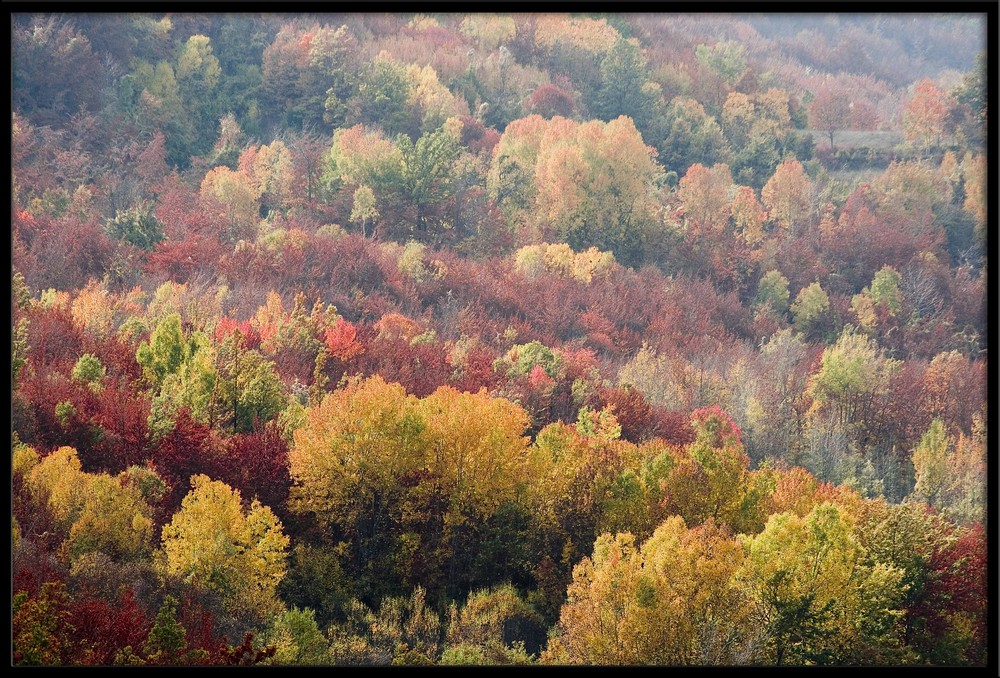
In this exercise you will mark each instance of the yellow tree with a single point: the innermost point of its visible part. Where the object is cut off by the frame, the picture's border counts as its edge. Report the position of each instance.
(788, 195)
(349, 459)
(213, 542)
(232, 198)
(96, 512)
(672, 601)
(974, 172)
(926, 113)
(811, 590)
(269, 171)
(478, 451)
(706, 196)
(748, 215)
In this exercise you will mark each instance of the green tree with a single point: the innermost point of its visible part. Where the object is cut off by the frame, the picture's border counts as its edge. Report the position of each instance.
(249, 390)
(198, 73)
(364, 209)
(724, 58)
(811, 588)
(88, 369)
(522, 358)
(885, 288)
(382, 96)
(853, 374)
(491, 628)
(136, 226)
(811, 311)
(167, 349)
(428, 175)
(41, 629)
(167, 639)
(690, 136)
(624, 89)
(332, 77)
(930, 459)
(297, 639)
(772, 291)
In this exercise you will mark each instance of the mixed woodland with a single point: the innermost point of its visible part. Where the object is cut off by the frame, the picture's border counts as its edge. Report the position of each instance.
(498, 339)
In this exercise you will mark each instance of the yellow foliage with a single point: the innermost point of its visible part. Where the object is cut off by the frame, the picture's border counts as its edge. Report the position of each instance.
(211, 541)
(97, 512)
(592, 35)
(93, 309)
(559, 258)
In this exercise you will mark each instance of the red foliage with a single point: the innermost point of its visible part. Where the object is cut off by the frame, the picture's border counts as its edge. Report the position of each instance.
(243, 654)
(123, 416)
(956, 583)
(101, 630)
(250, 338)
(549, 100)
(538, 378)
(54, 340)
(115, 354)
(342, 340)
(180, 260)
(257, 465)
(44, 389)
(177, 208)
(420, 367)
(477, 371)
(190, 448)
(199, 625)
(65, 254)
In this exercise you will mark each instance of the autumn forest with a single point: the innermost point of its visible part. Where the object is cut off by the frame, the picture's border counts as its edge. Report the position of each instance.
(520, 338)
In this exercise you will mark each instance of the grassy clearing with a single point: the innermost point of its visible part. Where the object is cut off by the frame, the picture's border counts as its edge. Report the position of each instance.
(879, 140)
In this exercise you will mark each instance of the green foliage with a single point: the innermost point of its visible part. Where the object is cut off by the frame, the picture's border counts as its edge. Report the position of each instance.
(851, 373)
(930, 459)
(166, 350)
(297, 639)
(623, 89)
(167, 639)
(403, 631)
(493, 627)
(724, 58)
(811, 311)
(364, 209)
(136, 226)
(522, 358)
(602, 424)
(772, 291)
(885, 288)
(809, 579)
(317, 580)
(19, 349)
(88, 369)
(427, 174)
(65, 412)
(41, 627)
(249, 391)
(382, 96)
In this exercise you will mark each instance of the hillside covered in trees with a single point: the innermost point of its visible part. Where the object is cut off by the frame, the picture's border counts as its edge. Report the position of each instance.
(498, 339)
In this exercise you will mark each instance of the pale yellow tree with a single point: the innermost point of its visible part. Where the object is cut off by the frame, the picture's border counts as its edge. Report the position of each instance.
(788, 195)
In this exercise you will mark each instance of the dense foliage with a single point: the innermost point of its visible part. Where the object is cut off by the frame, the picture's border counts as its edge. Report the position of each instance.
(498, 339)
